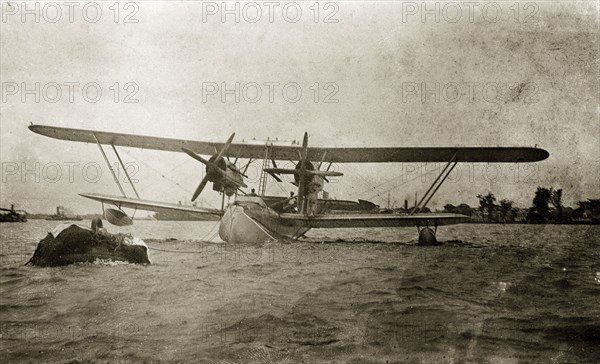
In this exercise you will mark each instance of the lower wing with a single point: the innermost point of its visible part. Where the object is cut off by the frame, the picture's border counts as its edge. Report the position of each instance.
(374, 220)
(148, 205)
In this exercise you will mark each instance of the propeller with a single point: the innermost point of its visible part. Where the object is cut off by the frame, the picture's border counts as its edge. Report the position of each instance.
(302, 170)
(200, 188)
(304, 147)
(225, 147)
(197, 157)
(211, 166)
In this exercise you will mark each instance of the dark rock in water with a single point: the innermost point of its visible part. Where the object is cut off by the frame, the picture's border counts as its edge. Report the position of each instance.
(78, 245)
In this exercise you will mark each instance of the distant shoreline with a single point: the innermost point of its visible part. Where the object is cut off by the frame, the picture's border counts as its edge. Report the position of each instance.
(576, 222)
(584, 222)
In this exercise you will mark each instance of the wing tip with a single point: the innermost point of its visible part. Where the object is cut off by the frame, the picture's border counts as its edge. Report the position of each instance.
(537, 154)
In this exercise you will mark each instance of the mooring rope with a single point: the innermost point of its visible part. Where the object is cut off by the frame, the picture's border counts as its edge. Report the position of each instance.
(211, 232)
(174, 251)
(203, 239)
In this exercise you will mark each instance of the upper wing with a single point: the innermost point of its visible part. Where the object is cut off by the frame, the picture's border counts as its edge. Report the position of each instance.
(374, 220)
(147, 205)
(291, 152)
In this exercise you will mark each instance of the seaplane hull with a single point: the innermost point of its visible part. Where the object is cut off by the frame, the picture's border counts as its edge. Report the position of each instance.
(238, 228)
(249, 220)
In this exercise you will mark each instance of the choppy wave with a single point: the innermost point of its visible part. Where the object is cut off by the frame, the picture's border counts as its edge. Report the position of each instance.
(490, 293)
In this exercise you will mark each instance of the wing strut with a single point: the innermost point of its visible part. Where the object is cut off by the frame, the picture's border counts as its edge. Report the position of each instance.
(125, 170)
(262, 184)
(247, 165)
(110, 167)
(443, 175)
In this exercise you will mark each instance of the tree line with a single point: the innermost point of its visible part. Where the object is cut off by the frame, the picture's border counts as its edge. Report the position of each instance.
(547, 207)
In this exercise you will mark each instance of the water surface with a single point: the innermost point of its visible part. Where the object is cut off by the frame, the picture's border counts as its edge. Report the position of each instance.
(489, 294)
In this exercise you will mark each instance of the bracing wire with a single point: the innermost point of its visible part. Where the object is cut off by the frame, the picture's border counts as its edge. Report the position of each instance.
(370, 187)
(163, 175)
(395, 186)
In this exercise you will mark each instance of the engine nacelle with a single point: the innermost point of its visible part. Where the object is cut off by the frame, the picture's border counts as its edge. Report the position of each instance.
(211, 174)
(228, 184)
(223, 174)
(308, 166)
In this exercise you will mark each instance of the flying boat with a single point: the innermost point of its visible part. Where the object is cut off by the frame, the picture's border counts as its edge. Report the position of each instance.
(256, 218)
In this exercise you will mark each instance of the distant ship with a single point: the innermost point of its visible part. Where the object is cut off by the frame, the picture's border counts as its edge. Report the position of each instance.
(61, 216)
(12, 215)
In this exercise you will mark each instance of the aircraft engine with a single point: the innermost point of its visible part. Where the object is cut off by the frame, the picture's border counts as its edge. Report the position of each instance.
(309, 166)
(223, 174)
(214, 176)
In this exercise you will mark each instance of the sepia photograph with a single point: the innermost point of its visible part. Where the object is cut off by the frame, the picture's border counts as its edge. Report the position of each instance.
(352, 181)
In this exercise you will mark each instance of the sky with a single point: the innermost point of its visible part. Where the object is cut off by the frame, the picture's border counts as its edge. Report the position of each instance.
(350, 73)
